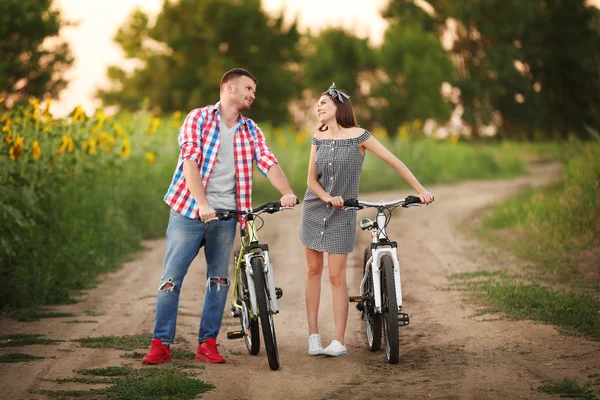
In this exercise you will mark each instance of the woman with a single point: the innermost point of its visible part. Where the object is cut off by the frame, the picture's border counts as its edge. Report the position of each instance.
(336, 158)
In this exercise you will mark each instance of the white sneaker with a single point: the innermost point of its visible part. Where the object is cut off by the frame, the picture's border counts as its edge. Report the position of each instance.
(335, 349)
(314, 344)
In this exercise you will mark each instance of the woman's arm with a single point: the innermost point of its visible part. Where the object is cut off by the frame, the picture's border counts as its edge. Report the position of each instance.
(374, 146)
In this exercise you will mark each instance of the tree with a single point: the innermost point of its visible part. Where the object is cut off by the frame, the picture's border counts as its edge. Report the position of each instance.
(29, 65)
(337, 56)
(413, 67)
(192, 43)
(534, 62)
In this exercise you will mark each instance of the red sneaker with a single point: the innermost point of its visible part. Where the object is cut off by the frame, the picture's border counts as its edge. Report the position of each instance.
(208, 352)
(159, 353)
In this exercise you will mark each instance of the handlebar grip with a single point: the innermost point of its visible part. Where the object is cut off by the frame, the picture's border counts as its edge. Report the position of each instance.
(351, 203)
(223, 215)
(412, 200)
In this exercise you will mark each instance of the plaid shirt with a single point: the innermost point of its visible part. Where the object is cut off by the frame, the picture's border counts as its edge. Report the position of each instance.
(199, 141)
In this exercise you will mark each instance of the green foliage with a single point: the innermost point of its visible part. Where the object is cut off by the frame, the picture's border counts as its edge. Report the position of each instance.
(430, 160)
(535, 62)
(20, 340)
(17, 357)
(336, 55)
(414, 65)
(189, 47)
(555, 224)
(568, 387)
(167, 383)
(127, 342)
(28, 66)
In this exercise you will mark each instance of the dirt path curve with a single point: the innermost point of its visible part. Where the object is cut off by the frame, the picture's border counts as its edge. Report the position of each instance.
(446, 351)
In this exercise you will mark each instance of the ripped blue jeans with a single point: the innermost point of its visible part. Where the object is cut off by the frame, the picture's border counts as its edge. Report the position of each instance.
(185, 237)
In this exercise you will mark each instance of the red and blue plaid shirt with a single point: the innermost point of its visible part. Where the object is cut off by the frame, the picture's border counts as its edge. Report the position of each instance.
(199, 141)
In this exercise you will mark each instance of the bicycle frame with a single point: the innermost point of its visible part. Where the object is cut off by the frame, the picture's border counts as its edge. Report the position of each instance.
(380, 245)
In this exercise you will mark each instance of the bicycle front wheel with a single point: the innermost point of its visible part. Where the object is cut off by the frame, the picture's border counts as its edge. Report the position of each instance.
(372, 319)
(249, 325)
(390, 310)
(265, 314)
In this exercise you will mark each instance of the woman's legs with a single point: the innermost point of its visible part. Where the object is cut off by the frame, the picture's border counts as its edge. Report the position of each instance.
(312, 290)
(339, 287)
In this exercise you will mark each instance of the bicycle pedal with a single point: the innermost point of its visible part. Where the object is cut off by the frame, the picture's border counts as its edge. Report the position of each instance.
(355, 299)
(278, 292)
(235, 335)
(403, 319)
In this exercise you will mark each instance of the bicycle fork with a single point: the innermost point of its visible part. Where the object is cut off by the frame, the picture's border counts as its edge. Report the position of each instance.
(274, 293)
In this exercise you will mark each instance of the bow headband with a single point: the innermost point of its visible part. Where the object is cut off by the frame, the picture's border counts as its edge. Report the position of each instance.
(336, 94)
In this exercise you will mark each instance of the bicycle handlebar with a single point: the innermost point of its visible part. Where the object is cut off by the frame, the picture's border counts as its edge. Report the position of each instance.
(407, 201)
(272, 207)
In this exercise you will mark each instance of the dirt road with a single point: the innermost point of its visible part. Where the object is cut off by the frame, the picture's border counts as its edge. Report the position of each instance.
(446, 352)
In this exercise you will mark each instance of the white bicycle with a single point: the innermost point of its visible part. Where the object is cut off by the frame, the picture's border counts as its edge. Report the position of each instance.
(380, 300)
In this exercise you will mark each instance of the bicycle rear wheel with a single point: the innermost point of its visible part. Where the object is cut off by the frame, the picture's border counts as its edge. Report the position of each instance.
(249, 325)
(265, 314)
(372, 319)
(390, 310)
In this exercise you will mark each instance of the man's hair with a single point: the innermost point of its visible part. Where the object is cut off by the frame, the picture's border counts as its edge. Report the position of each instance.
(236, 73)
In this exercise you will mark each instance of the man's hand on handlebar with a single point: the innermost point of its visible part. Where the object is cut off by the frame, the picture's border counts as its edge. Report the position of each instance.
(289, 200)
(206, 212)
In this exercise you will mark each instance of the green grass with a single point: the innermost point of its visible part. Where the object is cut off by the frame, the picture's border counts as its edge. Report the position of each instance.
(165, 383)
(17, 357)
(554, 225)
(35, 314)
(551, 228)
(20, 340)
(126, 342)
(431, 161)
(568, 387)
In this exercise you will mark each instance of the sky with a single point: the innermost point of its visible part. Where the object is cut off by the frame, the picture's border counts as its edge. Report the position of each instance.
(98, 21)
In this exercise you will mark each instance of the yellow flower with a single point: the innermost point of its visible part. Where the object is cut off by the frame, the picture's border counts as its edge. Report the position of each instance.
(78, 114)
(16, 150)
(102, 137)
(380, 133)
(67, 144)
(150, 157)
(301, 137)
(126, 148)
(47, 109)
(417, 124)
(36, 150)
(404, 131)
(35, 104)
(454, 138)
(176, 119)
(110, 143)
(153, 126)
(1, 100)
(90, 145)
(119, 130)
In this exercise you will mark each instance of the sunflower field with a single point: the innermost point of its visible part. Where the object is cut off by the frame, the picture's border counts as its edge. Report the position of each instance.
(76, 195)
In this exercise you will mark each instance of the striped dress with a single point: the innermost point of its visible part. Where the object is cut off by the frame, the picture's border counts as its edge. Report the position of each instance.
(324, 228)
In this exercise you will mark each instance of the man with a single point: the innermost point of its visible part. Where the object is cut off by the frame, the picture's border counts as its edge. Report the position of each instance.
(218, 146)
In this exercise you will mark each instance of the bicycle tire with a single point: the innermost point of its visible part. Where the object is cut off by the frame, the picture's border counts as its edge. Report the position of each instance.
(251, 330)
(264, 313)
(390, 310)
(372, 319)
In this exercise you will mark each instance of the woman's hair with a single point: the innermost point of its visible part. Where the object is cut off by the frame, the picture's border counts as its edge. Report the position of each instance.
(344, 114)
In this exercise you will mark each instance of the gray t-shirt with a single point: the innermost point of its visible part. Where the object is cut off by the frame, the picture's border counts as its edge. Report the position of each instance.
(221, 188)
